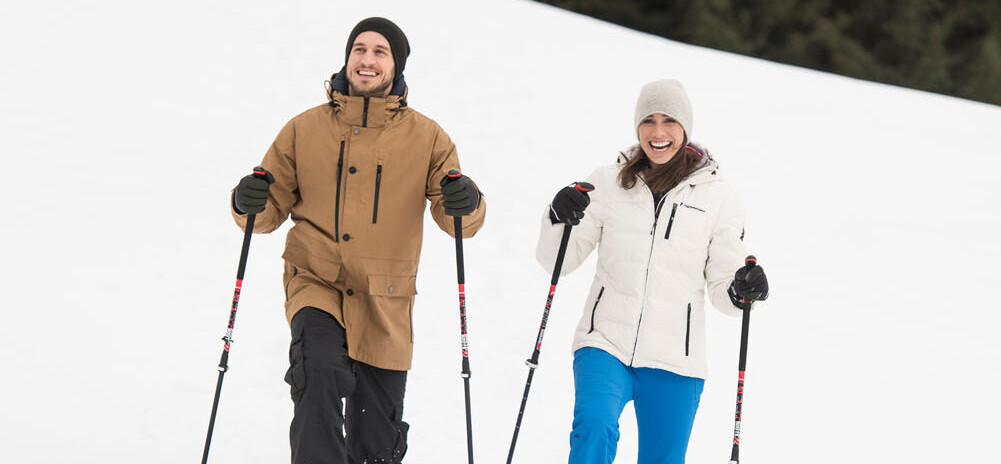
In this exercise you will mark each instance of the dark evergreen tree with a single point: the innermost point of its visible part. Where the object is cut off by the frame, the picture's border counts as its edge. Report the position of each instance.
(950, 47)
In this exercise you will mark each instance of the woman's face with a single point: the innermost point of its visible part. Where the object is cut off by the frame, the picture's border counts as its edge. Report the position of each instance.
(661, 137)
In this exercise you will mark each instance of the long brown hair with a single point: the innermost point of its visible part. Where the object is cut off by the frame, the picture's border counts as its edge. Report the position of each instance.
(663, 177)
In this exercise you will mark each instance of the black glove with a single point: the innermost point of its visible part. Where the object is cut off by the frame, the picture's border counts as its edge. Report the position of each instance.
(569, 203)
(749, 284)
(251, 194)
(460, 194)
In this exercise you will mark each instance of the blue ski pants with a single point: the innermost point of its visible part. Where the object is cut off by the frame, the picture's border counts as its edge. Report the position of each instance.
(665, 405)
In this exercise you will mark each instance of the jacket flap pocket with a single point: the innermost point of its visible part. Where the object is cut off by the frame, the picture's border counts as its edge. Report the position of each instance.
(392, 285)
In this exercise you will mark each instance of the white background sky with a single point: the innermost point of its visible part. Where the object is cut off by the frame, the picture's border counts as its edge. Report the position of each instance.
(125, 125)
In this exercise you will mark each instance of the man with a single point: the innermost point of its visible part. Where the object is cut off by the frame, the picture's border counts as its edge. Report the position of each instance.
(355, 175)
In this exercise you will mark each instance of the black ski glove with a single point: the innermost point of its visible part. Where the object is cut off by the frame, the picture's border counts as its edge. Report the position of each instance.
(569, 203)
(749, 284)
(460, 194)
(251, 194)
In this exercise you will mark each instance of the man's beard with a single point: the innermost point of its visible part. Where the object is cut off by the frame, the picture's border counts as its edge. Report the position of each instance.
(380, 91)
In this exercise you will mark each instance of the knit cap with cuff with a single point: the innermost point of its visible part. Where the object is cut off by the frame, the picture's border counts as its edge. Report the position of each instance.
(666, 96)
(398, 44)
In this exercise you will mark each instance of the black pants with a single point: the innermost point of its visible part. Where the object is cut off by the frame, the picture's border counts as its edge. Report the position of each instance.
(320, 374)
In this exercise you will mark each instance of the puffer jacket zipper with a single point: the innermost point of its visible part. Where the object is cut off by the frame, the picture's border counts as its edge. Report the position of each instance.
(670, 222)
(337, 201)
(375, 204)
(646, 279)
(688, 329)
(595, 309)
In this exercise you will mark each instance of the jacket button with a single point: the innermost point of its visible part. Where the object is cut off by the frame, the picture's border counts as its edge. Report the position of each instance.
(352, 170)
(391, 289)
(357, 131)
(346, 237)
(350, 292)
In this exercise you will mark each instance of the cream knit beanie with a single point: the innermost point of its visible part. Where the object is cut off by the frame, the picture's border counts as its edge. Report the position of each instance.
(665, 96)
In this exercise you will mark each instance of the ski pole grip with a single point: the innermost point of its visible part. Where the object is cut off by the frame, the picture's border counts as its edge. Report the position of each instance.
(749, 262)
(452, 176)
(584, 187)
(261, 173)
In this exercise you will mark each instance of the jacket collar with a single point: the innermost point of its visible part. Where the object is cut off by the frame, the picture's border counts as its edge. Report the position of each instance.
(365, 111)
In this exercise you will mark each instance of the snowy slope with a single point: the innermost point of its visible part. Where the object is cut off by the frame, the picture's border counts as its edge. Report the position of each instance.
(125, 125)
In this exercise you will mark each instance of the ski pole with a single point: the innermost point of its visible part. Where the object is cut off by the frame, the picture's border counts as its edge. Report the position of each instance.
(461, 273)
(749, 262)
(228, 338)
(533, 362)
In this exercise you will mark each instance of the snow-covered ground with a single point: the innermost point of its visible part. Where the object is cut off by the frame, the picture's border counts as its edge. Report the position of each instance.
(125, 125)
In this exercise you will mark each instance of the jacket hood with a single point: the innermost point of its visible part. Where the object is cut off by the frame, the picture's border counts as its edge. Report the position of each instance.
(339, 83)
(365, 111)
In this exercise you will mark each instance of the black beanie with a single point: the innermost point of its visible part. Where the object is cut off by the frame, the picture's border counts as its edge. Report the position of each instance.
(394, 35)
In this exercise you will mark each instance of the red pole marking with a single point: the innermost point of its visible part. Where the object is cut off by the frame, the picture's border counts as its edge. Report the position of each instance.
(236, 292)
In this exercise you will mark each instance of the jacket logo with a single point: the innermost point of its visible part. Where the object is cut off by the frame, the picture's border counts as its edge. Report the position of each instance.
(693, 207)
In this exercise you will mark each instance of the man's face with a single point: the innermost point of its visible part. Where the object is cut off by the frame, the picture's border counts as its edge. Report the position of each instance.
(370, 66)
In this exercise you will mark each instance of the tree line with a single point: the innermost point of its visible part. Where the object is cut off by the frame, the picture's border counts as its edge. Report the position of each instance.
(948, 47)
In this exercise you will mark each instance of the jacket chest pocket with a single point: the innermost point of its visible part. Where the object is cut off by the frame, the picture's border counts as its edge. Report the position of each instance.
(375, 199)
(688, 226)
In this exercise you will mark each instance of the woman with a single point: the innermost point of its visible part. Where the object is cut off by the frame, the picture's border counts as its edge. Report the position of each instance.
(666, 226)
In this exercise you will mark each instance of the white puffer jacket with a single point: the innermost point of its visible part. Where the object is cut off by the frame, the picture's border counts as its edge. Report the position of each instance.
(645, 306)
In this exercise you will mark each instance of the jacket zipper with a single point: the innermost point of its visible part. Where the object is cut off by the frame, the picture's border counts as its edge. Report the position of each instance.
(688, 329)
(337, 201)
(670, 222)
(364, 114)
(646, 279)
(378, 181)
(595, 309)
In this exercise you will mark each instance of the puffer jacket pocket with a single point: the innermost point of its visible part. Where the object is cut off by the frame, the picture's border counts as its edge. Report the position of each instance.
(670, 222)
(688, 330)
(594, 310)
(689, 227)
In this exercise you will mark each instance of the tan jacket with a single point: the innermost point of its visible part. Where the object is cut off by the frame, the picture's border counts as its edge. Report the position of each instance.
(355, 175)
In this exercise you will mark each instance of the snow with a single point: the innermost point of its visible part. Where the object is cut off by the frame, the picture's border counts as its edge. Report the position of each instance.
(126, 124)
